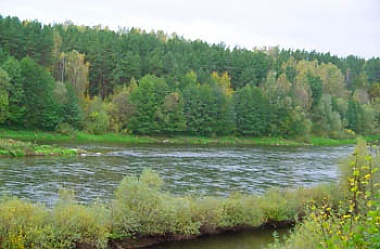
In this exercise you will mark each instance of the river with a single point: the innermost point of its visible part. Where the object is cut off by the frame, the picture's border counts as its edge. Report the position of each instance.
(215, 171)
(200, 170)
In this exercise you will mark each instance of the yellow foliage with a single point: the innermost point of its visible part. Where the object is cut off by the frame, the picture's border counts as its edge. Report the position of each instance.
(224, 81)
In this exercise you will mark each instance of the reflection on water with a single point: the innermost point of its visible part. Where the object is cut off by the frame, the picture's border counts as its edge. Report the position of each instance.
(256, 239)
(215, 171)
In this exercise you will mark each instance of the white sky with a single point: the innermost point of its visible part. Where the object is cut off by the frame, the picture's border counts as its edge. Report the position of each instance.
(341, 27)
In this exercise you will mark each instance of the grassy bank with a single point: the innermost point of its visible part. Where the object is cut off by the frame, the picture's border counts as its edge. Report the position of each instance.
(13, 148)
(81, 137)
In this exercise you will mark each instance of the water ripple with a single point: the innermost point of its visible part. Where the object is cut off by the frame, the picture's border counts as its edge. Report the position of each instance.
(185, 169)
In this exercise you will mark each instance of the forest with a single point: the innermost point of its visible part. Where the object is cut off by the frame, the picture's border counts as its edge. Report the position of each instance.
(64, 77)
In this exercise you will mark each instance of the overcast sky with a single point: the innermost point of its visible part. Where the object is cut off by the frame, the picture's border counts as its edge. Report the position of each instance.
(341, 27)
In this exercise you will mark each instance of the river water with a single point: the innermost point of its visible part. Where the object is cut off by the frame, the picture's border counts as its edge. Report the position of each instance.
(215, 171)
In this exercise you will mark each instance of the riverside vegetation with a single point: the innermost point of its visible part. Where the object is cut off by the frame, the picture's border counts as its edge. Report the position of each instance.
(73, 79)
(355, 221)
(78, 137)
(13, 148)
(334, 215)
(69, 78)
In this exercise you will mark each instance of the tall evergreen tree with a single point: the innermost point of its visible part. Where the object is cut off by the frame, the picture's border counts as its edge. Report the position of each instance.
(252, 112)
(4, 93)
(148, 98)
(17, 98)
(38, 84)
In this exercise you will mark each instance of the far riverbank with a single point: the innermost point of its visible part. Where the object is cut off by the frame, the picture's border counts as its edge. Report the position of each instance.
(118, 138)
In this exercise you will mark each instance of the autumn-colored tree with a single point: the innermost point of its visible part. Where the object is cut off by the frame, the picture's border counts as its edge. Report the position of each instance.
(326, 121)
(224, 82)
(74, 70)
(120, 108)
(333, 80)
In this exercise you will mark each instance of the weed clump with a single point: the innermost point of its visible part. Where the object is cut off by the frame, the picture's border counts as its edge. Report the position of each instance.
(355, 221)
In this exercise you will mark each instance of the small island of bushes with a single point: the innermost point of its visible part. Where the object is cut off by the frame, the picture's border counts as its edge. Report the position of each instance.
(14, 148)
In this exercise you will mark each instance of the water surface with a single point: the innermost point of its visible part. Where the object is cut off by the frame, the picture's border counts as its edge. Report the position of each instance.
(215, 171)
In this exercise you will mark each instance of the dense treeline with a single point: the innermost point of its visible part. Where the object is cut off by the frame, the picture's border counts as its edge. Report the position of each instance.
(63, 77)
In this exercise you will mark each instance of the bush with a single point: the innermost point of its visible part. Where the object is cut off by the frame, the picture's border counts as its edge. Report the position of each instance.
(207, 212)
(66, 129)
(141, 208)
(72, 223)
(354, 223)
(242, 210)
(23, 224)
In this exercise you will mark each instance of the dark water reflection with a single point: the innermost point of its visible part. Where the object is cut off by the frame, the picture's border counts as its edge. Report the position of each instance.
(215, 171)
(256, 239)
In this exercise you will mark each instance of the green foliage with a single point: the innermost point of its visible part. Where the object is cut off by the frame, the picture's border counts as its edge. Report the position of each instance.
(208, 110)
(16, 92)
(185, 87)
(120, 109)
(97, 120)
(23, 224)
(242, 210)
(148, 98)
(354, 222)
(70, 109)
(252, 112)
(72, 222)
(4, 99)
(316, 86)
(372, 68)
(141, 208)
(327, 122)
(27, 225)
(38, 84)
(171, 114)
(13, 148)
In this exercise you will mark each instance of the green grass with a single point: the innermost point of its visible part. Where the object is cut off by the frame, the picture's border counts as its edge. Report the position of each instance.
(14, 148)
(321, 141)
(118, 138)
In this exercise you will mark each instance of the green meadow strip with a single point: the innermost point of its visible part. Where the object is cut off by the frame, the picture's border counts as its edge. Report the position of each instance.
(119, 138)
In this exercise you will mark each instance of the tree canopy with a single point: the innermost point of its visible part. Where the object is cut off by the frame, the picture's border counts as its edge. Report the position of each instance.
(141, 82)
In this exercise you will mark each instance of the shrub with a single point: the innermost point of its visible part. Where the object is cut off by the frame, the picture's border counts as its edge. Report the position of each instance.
(276, 206)
(242, 210)
(23, 224)
(355, 222)
(72, 223)
(141, 208)
(208, 212)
